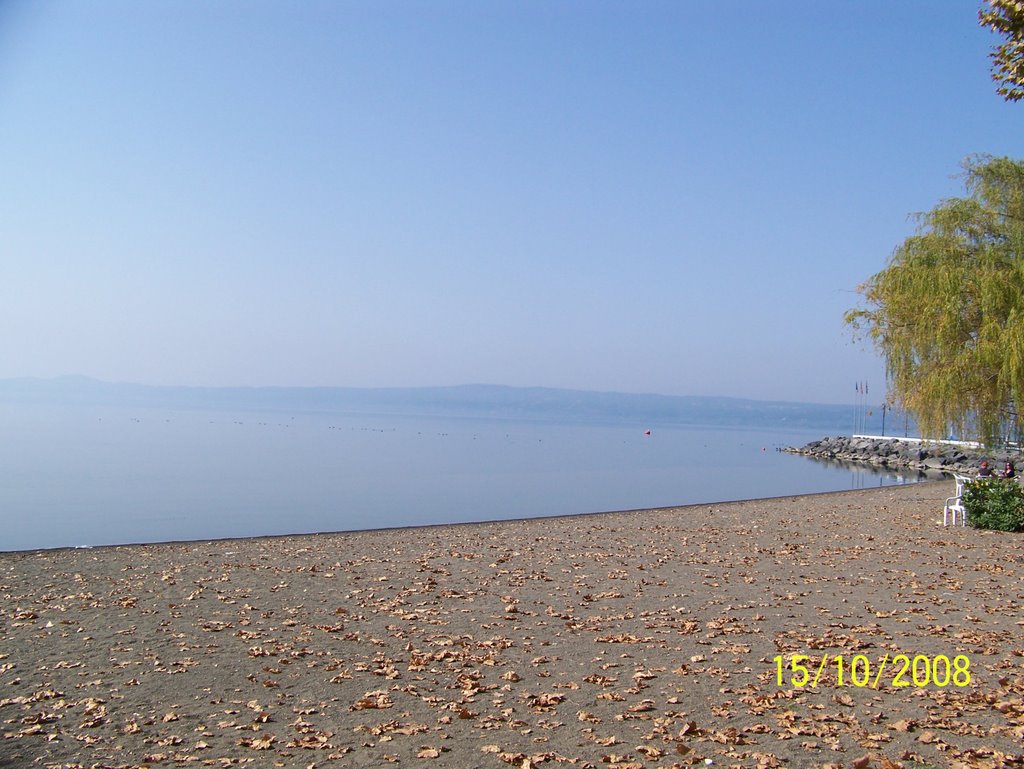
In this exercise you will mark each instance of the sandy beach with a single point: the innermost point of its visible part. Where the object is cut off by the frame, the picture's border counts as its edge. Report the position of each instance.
(643, 639)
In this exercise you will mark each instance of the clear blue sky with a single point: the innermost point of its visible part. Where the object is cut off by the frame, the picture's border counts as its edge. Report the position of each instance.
(668, 197)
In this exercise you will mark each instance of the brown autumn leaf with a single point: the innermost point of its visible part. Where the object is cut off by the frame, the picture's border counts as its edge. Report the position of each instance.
(545, 700)
(642, 707)
(411, 729)
(729, 736)
(258, 743)
(650, 751)
(375, 700)
(689, 728)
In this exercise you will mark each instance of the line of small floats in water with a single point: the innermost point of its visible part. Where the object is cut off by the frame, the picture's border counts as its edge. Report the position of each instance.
(647, 433)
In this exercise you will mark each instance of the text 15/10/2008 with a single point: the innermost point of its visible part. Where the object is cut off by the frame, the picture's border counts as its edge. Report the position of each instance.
(919, 670)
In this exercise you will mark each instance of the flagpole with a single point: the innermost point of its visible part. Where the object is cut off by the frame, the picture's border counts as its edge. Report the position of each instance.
(856, 429)
(856, 390)
(860, 407)
(865, 427)
(856, 413)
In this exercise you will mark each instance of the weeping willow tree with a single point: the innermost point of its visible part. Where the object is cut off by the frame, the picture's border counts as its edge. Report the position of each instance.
(947, 312)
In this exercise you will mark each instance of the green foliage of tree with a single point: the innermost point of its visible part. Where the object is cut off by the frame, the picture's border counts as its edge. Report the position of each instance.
(1006, 17)
(948, 310)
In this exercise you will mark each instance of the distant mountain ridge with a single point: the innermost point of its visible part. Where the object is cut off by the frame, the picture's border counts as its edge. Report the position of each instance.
(492, 401)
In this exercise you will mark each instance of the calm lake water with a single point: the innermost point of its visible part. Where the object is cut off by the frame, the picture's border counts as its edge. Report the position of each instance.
(93, 476)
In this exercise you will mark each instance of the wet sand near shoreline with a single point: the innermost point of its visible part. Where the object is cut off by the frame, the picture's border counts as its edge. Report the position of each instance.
(639, 639)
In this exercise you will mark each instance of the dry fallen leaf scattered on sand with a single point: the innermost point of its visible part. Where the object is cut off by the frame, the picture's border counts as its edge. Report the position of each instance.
(643, 639)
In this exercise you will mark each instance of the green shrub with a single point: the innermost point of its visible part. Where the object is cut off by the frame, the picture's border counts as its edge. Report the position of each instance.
(995, 504)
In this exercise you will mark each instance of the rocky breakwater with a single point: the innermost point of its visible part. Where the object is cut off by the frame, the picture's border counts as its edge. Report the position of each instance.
(917, 455)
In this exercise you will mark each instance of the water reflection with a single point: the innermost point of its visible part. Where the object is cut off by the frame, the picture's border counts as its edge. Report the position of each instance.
(865, 475)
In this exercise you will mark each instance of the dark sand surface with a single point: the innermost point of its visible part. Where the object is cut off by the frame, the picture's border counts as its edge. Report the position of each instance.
(641, 639)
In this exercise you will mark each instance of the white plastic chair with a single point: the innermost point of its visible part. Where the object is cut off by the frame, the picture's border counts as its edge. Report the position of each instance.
(961, 480)
(955, 504)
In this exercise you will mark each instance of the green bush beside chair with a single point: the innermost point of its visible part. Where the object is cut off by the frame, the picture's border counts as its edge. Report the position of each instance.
(994, 503)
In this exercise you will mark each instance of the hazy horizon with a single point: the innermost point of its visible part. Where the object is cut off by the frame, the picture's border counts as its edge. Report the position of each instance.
(73, 377)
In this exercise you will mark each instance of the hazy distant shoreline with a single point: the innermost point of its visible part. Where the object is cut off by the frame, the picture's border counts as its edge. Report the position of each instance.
(494, 401)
